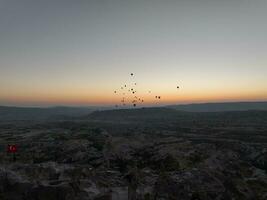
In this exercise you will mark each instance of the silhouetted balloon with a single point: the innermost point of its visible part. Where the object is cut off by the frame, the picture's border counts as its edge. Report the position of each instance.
(132, 99)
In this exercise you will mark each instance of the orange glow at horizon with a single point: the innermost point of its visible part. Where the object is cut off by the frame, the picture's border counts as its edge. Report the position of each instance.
(82, 93)
(177, 97)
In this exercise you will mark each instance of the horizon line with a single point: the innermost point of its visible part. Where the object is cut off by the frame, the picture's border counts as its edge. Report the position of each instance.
(128, 106)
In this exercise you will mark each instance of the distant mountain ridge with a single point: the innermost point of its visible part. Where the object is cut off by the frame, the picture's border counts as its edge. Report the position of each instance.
(220, 107)
(37, 113)
(61, 112)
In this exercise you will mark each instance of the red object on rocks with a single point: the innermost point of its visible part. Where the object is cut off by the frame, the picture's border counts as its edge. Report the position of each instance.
(12, 148)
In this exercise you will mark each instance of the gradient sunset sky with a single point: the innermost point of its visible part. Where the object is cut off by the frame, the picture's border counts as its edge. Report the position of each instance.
(77, 52)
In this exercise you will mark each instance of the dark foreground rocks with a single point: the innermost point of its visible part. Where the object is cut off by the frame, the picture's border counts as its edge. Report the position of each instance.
(166, 168)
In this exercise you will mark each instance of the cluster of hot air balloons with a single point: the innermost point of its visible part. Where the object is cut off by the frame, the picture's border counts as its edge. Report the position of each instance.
(130, 95)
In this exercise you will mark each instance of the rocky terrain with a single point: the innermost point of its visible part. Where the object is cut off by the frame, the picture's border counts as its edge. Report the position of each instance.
(144, 154)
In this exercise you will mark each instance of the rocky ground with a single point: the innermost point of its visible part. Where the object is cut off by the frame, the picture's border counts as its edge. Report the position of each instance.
(74, 160)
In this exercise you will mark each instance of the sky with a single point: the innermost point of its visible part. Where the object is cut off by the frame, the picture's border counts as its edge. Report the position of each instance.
(63, 52)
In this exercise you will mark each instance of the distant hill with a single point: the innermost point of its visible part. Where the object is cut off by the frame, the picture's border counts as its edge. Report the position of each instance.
(168, 117)
(221, 107)
(134, 114)
(31, 113)
(104, 113)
